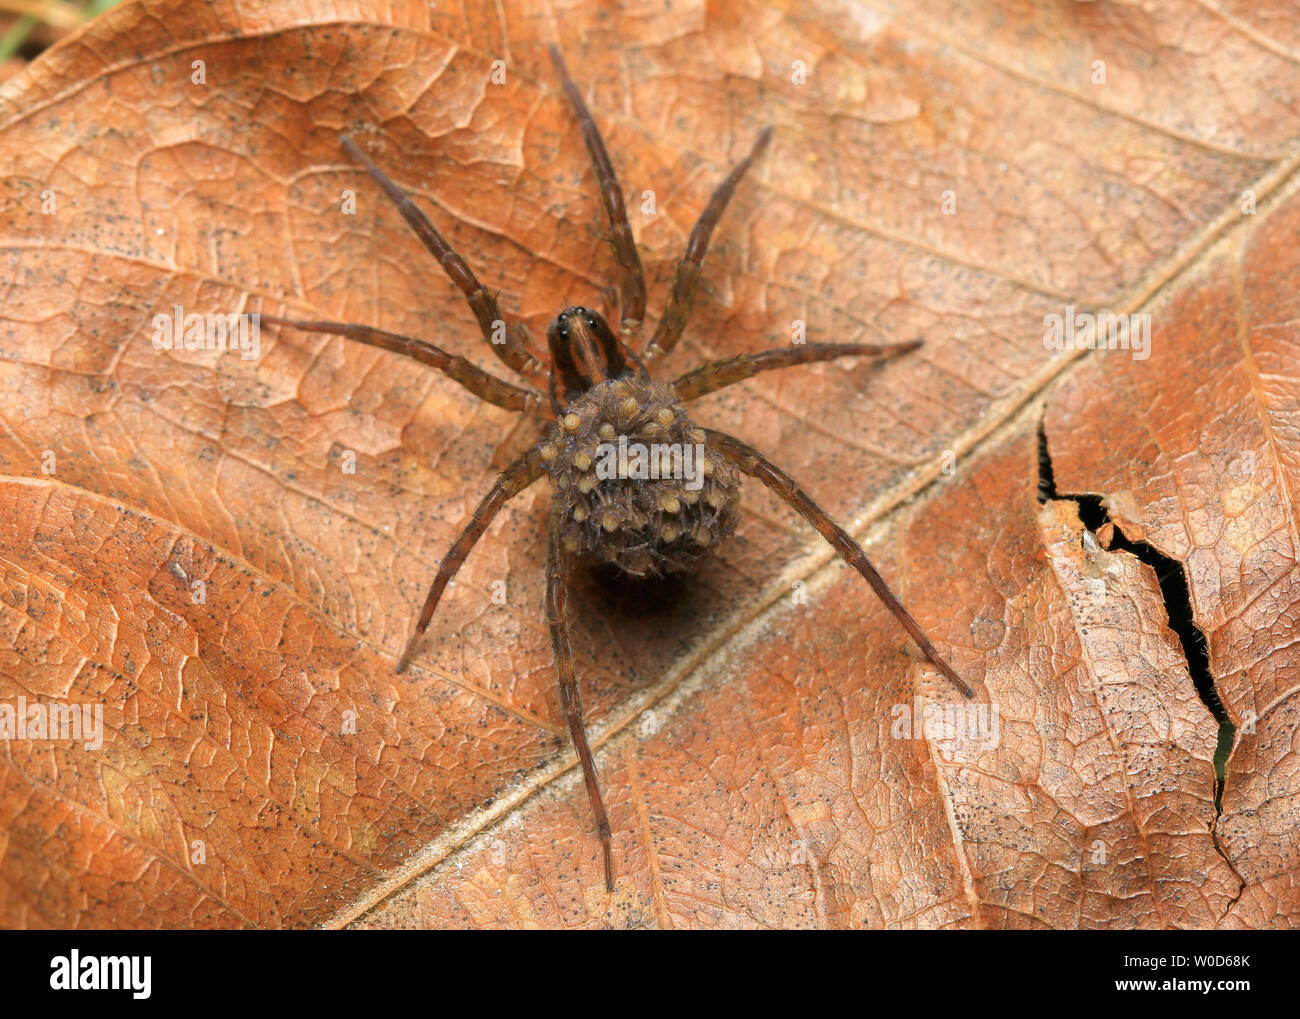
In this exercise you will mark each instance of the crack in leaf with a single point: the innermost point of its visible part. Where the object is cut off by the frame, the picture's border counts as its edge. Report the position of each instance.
(1176, 594)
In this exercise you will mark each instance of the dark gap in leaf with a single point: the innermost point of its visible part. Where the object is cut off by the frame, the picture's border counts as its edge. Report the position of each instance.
(1046, 476)
(1177, 599)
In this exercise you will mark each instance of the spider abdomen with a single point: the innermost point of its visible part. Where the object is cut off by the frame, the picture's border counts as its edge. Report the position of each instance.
(641, 488)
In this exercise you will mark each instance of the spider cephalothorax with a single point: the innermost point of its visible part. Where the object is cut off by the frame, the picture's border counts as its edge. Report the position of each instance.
(637, 483)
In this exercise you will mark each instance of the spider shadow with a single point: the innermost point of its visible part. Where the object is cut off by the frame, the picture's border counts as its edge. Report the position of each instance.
(648, 621)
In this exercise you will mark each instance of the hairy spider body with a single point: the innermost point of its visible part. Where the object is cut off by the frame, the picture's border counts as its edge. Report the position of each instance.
(637, 484)
(640, 487)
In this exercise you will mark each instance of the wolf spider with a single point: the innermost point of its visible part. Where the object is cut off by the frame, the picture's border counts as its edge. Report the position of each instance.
(641, 526)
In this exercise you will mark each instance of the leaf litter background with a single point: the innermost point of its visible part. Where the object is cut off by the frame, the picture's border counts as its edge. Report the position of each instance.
(745, 733)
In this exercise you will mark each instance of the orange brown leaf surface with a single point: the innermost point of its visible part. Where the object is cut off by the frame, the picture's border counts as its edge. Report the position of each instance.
(1217, 490)
(949, 172)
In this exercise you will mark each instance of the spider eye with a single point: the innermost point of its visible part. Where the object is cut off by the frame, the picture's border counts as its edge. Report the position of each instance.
(591, 322)
(564, 332)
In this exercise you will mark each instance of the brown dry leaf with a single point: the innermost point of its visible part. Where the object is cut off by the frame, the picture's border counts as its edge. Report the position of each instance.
(932, 176)
(1203, 463)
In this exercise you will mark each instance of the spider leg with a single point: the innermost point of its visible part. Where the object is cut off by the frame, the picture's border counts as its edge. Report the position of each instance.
(753, 463)
(631, 277)
(557, 615)
(513, 350)
(482, 384)
(513, 480)
(669, 329)
(718, 374)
